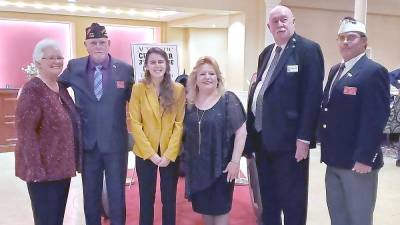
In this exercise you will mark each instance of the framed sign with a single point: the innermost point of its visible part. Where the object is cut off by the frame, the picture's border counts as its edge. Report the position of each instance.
(139, 52)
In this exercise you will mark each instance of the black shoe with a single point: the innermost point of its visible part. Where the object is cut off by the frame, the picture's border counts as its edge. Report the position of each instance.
(398, 163)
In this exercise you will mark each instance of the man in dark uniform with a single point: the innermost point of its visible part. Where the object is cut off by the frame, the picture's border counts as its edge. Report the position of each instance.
(354, 111)
(282, 118)
(102, 87)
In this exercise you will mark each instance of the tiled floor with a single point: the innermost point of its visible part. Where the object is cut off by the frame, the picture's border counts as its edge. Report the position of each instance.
(15, 205)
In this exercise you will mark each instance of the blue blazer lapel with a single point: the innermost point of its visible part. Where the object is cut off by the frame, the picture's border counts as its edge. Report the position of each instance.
(290, 46)
(83, 81)
(114, 71)
(354, 71)
(331, 75)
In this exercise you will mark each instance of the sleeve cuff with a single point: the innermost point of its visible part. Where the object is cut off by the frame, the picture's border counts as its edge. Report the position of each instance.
(304, 141)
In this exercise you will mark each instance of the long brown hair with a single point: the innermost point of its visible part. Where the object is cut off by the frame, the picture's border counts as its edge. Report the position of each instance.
(166, 86)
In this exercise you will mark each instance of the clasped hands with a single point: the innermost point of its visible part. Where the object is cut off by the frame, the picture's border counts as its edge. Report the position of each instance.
(160, 161)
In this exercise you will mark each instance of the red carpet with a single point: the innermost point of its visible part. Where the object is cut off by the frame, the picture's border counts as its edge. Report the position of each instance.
(241, 213)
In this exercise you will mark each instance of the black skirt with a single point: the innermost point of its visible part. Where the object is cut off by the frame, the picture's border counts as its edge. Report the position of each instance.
(215, 200)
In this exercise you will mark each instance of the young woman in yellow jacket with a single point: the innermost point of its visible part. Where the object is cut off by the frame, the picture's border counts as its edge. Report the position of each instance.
(157, 108)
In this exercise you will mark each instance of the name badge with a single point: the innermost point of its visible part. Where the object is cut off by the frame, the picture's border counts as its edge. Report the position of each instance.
(350, 90)
(292, 68)
(120, 84)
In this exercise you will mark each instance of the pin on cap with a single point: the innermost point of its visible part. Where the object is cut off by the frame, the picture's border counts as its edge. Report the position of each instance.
(351, 25)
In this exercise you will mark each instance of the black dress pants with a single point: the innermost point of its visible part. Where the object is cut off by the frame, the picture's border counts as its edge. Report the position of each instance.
(147, 177)
(283, 187)
(112, 166)
(48, 200)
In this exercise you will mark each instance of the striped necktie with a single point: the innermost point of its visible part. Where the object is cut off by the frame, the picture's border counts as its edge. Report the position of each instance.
(98, 82)
(260, 97)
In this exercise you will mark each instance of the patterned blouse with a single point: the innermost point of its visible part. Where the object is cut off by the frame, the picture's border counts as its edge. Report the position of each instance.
(46, 147)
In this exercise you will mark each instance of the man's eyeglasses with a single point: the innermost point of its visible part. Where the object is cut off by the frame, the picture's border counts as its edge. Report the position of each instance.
(348, 38)
(59, 58)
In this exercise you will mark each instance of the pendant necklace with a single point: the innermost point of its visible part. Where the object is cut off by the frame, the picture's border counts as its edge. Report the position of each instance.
(199, 119)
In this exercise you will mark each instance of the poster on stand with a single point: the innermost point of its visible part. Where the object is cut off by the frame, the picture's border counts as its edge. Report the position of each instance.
(139, 52)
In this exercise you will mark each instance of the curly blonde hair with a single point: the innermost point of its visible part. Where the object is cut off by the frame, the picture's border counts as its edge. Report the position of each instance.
(192, 88)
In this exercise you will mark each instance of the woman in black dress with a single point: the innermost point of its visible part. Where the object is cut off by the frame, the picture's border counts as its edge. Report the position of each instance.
(215, 133)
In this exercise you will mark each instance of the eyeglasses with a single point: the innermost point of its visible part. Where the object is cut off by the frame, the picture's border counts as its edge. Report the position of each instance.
(59, 58)
(348, 38)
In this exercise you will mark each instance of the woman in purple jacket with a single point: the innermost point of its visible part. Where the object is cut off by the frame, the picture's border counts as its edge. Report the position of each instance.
(48, 131)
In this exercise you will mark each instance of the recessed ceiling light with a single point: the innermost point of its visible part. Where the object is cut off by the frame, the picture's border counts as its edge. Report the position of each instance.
(73, 1)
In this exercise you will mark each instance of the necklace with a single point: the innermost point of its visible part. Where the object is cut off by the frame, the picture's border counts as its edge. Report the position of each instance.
(199, 119)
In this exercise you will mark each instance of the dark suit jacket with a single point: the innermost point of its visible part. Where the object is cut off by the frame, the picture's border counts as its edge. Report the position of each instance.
(291, 101)
(352, 120)
(104, 121)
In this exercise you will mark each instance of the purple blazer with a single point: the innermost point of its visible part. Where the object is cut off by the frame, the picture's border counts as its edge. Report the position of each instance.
(48, 131)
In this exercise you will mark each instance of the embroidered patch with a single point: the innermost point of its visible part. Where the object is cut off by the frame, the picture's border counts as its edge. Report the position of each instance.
(350, 90)
(120, 84)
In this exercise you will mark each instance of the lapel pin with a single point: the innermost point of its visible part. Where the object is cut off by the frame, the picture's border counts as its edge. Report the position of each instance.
(114, 66)
(349, 75)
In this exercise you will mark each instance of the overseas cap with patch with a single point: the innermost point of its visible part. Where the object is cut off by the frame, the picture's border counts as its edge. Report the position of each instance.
(351, 25)
(96, 31)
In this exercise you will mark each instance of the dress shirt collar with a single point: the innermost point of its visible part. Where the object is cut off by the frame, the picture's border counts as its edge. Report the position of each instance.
(105, 64)
(349, 64)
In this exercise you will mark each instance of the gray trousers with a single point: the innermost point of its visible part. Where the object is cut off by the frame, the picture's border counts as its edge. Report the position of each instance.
(350, 196)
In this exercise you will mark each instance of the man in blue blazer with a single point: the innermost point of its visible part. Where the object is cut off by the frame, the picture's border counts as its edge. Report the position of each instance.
(354, 111)
(283, 110)
(102, 87)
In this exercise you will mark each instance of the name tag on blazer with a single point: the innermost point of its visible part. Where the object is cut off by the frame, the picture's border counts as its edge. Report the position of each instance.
(120, 84)
(292, 68)
(350, 90)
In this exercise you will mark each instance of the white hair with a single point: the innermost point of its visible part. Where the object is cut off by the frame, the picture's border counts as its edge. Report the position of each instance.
(40, 46)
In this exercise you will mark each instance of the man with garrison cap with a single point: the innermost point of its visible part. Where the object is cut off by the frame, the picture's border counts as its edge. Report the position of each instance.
(102, 87)
(354, 111)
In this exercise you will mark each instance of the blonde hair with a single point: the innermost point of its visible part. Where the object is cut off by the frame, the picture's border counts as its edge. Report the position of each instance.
(192, 88)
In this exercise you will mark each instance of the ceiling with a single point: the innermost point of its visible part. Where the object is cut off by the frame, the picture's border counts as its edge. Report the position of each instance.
(126, 10)
(152, 10)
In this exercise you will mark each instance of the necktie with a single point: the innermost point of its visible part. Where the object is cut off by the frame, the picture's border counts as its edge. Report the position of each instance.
(260, 97)
(337, 78)
(339, 74)
(98, 82)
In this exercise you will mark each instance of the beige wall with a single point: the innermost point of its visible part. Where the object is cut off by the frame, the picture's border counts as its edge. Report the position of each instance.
(179, 36)
(321, 26)
(210, 42)
(196, 42)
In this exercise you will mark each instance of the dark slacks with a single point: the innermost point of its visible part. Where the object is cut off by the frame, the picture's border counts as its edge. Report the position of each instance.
(283, 187)
(350, 196)
(113, 166)
(48, 201)
(147, 177)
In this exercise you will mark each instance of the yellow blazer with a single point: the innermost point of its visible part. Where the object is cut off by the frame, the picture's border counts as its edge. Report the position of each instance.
(152, 126)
